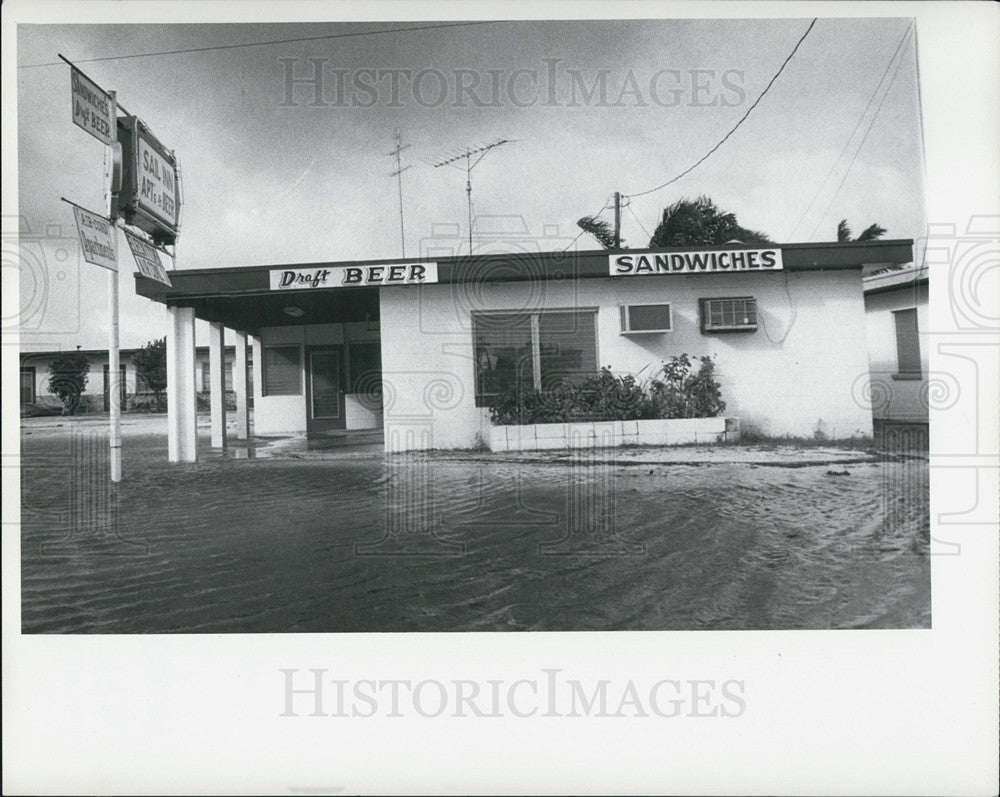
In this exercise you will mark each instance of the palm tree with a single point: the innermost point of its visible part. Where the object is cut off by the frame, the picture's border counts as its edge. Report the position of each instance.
(872, 233)
(700, 223)
(602, 231)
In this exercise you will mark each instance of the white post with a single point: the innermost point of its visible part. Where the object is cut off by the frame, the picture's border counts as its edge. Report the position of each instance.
(217, 382)
(114, 359)
(240, 387)
(181, 397)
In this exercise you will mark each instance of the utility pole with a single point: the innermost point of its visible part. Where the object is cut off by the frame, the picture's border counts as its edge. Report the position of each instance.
(398, 174)
(469, 166)
(618, 220)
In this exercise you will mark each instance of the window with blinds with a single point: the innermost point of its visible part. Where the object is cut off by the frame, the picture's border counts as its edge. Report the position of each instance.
(282, 371)
(534, 350)
(737, 314)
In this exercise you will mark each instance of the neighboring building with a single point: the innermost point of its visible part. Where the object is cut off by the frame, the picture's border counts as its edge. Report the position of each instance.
(896, 320)
(421, 346)
(36, 369)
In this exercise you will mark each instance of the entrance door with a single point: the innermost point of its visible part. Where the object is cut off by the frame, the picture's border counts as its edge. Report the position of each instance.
(325, 394)
(121, 389)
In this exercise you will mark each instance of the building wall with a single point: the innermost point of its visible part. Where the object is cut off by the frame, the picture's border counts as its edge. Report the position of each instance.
(802, 371)
(895, 399)
(287, 414)
(95, 376)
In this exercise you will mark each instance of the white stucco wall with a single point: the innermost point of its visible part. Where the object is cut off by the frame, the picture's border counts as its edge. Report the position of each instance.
(896, 399)
(802, 371)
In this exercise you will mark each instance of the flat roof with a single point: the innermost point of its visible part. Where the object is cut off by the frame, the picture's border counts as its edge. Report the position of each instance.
(241, 296)
(894, 280)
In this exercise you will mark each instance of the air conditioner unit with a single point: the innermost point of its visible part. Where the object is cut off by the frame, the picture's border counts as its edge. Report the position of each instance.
(731, 314)
(642, 319)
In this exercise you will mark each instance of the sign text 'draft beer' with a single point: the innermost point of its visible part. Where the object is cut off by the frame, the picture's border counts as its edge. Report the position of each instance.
(353, 276)
(705, 262)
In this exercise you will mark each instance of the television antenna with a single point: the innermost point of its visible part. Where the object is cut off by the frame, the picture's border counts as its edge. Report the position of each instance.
(470, 164)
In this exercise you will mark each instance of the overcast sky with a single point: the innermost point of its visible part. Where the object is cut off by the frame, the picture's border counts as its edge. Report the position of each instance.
(272, 176)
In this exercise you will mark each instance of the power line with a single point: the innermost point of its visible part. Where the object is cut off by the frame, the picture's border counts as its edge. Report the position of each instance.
(857, 152)
(262, 44)
(850, 138)
(398, 174)
(734, 128)
(629, 206)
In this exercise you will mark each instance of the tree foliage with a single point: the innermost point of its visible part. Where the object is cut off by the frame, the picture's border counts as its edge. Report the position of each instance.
(700, 222)
(871, 233)
(151, 367)
(68, 379)
(601, 230)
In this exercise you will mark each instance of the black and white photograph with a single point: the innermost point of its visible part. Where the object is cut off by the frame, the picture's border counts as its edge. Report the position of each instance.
(431, 363)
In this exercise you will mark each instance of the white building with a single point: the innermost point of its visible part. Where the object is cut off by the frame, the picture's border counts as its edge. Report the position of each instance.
(896, 320)
(419, 347)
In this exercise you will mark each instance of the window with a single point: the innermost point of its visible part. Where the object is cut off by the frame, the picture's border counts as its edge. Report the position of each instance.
(645, 318)
(738, 314)
(282, 371)
(366, 366)
(28, 384)
(907, 344)
(206, 376)
(533, 350)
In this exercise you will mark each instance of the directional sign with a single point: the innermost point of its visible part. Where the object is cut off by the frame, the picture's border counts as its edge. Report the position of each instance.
(96, 238)
(93, 109)
(147, 258)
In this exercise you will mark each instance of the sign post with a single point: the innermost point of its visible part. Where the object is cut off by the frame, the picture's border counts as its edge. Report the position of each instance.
(114, 354)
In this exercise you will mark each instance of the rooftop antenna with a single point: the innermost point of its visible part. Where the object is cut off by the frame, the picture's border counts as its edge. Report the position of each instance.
(398, 174)
(470, 164)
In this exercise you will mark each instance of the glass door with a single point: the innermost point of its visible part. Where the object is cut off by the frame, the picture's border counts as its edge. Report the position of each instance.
(325, 396)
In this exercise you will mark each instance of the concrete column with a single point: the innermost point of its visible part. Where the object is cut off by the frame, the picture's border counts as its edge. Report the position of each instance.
(240, 387)
(182, 405)
(217, 382)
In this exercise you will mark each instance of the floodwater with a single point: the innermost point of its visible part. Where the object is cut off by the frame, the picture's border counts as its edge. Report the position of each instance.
(368, 542)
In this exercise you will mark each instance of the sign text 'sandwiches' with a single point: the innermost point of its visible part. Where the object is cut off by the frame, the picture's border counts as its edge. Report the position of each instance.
(353, 276)
(715, 261)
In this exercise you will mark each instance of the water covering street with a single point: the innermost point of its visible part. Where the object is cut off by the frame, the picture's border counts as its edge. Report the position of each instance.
(431, 542)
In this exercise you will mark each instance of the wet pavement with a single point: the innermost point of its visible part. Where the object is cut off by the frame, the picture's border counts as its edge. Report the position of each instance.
(333, 538)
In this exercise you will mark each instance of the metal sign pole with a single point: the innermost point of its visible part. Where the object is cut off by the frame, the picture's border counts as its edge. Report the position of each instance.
(114, 358)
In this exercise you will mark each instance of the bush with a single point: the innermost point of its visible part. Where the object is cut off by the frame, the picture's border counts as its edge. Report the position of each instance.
(673, 393)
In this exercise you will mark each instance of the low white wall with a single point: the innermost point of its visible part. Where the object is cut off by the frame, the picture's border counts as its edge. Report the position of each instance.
(358, 413)
(609, 434)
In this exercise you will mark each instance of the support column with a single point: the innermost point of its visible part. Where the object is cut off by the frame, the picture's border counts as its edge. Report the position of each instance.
(217, 382)
(240, 387)
(182, 402)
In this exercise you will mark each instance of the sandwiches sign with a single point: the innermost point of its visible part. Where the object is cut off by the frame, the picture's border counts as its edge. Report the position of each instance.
(704, 262)
(286, 279)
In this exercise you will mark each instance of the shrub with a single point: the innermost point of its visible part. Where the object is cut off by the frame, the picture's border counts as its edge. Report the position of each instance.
(674, 393)
(681, 394)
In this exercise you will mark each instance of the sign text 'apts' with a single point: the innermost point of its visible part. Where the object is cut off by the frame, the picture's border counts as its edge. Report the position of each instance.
(705, 262)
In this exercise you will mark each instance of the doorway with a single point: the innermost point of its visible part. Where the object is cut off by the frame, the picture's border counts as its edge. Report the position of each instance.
(324, 388)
